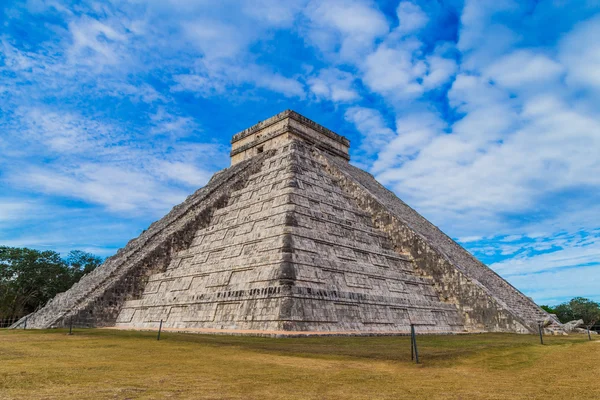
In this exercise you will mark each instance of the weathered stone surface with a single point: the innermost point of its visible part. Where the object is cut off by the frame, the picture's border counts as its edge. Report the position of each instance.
(294, 238)
(274, 132)
(572, 325)
(487, 301)
(584, 330)
(97, 298)
(291, 251)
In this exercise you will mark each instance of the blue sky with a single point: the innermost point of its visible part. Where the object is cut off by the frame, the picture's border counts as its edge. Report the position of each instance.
(482, 115)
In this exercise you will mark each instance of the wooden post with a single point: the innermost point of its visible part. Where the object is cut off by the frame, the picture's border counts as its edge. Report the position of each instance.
(71, 325)
(159, 329)
(541, 335)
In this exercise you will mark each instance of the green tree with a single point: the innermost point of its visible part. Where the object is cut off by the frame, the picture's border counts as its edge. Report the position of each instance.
(548, 309)
(82, 263)
(579, 308)
(29, 278)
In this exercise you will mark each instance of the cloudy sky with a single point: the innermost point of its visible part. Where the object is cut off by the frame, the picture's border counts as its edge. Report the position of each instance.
(482, 115)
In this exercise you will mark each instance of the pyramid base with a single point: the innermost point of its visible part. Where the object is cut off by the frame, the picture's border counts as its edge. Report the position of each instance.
(288, 334)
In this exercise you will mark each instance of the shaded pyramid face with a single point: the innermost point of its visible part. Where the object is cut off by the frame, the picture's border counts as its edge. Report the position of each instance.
(292, 238)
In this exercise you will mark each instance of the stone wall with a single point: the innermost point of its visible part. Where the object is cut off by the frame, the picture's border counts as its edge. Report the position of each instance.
(271, 133)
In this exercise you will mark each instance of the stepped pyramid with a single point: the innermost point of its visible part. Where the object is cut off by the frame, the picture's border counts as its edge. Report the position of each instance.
(293, 239)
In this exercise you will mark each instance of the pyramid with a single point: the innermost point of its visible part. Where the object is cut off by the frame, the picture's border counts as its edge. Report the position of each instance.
(293, 239)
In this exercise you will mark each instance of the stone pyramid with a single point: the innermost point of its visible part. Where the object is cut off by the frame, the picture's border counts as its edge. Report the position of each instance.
(293, 239)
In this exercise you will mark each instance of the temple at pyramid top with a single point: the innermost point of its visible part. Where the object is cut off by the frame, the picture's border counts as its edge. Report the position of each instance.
(273, 132)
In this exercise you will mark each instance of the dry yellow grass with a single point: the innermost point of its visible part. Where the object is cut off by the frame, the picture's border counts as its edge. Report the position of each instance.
(100, 364)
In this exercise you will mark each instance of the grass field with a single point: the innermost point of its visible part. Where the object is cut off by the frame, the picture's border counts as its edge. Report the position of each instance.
(109, 364)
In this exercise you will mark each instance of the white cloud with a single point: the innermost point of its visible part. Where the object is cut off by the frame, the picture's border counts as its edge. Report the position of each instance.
(414, 131)
(401, 71)
(96, 44)
(478, 29)
(274, 12)
(511, 238)
(572, 256)
(139, 92)
(503, 155)
(15, 210)
(184, 172)
(114, 187)
(31, 75)
(411, 17)
(220, 77)
(275, 82)
(166, 123)
(555, 287)
(202, 85)
(372, 126)
(468, 239)
(69, 228)
(62, 132)
(391, 71)
(102, 164)
(333, 84)
(216, 39)
(524, 67)
(550, 267)
(440, 70)
(345, 28)
(580, 53)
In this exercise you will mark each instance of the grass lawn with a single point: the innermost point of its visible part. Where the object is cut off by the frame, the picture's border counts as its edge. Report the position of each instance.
(107, 364)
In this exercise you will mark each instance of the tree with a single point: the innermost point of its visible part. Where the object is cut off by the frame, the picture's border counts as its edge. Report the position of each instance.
(82, 263)
(29, 278)
(579, 308)
(548, 309)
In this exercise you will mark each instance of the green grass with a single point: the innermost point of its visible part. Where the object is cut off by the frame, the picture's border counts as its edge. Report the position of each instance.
(133, 365)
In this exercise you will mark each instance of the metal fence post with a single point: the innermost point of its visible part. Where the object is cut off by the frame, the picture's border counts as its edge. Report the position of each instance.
(412, 345)
(159, 329)
(414, 342)
(541, 334)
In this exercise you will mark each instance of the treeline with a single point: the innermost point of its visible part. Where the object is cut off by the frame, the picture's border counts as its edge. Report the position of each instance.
(29, 278)
(575, 309)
